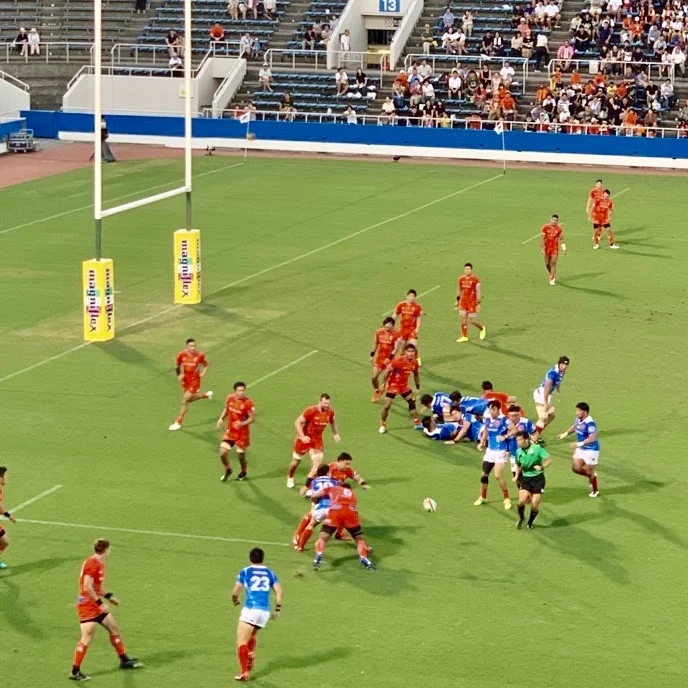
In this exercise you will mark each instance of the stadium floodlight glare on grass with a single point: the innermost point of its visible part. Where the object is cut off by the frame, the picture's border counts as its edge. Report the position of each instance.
(98, 273)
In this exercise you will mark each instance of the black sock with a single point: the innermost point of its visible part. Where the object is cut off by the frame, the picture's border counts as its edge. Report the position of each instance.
(124, 658)
(521, 511)
(75, 669)
(533, 516)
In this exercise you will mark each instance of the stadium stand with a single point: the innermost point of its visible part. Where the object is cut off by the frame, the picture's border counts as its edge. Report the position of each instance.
(318, 24)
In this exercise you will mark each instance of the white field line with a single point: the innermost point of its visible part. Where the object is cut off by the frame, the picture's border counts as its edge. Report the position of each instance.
(420, 296)
(33, 500)
(264, 271)
(283, 368)
(535, 236)
(57, 216)
(155, 533)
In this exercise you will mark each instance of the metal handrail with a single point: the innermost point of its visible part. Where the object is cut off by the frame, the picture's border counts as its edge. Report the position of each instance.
(320, 61)
(455, 123)
(8, 50)
(476, 62)
(669, 68)
(13, 80)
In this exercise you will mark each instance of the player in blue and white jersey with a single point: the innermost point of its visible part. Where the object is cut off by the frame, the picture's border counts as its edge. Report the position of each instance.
(475, 405)
(542, 396)
(471, 428)
(257, 580)
(443, 406)
(586, 448)
(516, 423)
(445, 432)
(494, 437)
(318, 511)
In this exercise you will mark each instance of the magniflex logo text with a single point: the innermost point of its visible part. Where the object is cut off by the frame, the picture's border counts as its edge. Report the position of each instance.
(93, 301)
(109, 300)
(185, 268)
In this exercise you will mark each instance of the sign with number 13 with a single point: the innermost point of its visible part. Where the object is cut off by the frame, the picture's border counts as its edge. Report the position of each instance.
(390, 6)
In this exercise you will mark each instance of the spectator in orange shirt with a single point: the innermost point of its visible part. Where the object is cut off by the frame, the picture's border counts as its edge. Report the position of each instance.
(474, 121)
(576, 80)
(541, 94)
(402, 79)
(590, 88)
(508, 106)
(217, 33)
(630, 118)
(599, 79)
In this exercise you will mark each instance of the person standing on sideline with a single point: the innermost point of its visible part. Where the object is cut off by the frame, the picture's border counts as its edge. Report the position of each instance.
(531, 461)
(257, 580)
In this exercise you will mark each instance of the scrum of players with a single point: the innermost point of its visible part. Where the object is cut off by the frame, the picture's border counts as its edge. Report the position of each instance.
(495, 423)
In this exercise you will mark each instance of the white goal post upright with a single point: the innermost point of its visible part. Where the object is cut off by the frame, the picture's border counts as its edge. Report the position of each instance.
(98, 273)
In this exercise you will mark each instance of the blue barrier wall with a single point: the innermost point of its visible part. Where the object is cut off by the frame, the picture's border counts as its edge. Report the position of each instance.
(8, 128)
(48, 124)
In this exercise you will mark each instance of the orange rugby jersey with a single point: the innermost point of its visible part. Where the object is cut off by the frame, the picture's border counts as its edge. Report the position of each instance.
(385, 341)
(601, 210)
(551, 234)
(94, 568)
(468, 287)
(401, 369)
(341, 475)
(238, 411)
(409, 314)
(190, 363)
(316, 421)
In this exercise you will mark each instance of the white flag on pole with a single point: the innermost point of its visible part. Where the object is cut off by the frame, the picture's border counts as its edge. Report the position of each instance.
(245, 118)
(499, 128)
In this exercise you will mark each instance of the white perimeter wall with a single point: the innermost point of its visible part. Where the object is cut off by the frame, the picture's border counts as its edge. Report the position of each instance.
(13, 99)
(149, 94)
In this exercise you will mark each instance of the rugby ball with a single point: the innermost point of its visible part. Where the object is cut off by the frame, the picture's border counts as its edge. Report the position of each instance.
(430, 505)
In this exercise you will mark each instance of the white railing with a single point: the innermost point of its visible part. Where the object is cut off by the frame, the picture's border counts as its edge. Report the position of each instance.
(14, 81)
(59, 51)
(404, 31)
(352, 59)
(475, 124)
(138, 53)
(652, 69)
(291, 59)
(477, 62)
(229, 86)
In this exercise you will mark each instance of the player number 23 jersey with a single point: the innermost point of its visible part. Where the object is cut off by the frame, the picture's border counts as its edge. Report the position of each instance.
(258, 581)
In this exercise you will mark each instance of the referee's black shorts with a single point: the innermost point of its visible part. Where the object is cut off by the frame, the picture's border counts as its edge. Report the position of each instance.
(533, 485)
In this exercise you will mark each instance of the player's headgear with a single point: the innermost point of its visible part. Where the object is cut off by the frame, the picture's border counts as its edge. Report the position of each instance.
(564, 359)
(190, 340)
(345, 456)
(412, 291)
(487, 385)
(239, 384)
(256, 555)
(583, 406)
(101, 545)
(426, 399)
(323, 469)
(388, 319)
(3, 470)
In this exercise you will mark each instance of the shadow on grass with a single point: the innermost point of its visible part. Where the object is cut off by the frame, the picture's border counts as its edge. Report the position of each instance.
(16, 612)
(150, 662)
(304, 661)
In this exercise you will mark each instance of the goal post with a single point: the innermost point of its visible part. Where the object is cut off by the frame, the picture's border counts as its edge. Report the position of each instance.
(98, 273)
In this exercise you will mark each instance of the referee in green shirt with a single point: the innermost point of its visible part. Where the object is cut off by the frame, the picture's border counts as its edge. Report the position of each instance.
(531, 461)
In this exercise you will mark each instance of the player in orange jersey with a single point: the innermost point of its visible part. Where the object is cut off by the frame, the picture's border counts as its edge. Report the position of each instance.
(4, 542)
(310, 426)
(595, 194)
(505, 400)
(385, 344)
(94, 612)
(551, 241)
(343, 513)
(468, 298)
(410, 314)
(191, 366)
(396, 376)
(602, 210)
(240, 412)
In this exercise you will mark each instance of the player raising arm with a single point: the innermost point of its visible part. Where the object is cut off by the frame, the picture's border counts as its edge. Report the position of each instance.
(586, 449)
(240, 412)
(310, 426)
(94, 612)
(4, 542)
(602, 210)
(396, 377)
(384, 347)
(191, 366)
(257, 580)
(551, 242)
(542, 396)
(468, 298)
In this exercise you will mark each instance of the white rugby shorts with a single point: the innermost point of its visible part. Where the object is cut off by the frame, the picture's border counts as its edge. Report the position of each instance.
(495, 456)
(319, 515)
(589, 456)
(255, 617)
